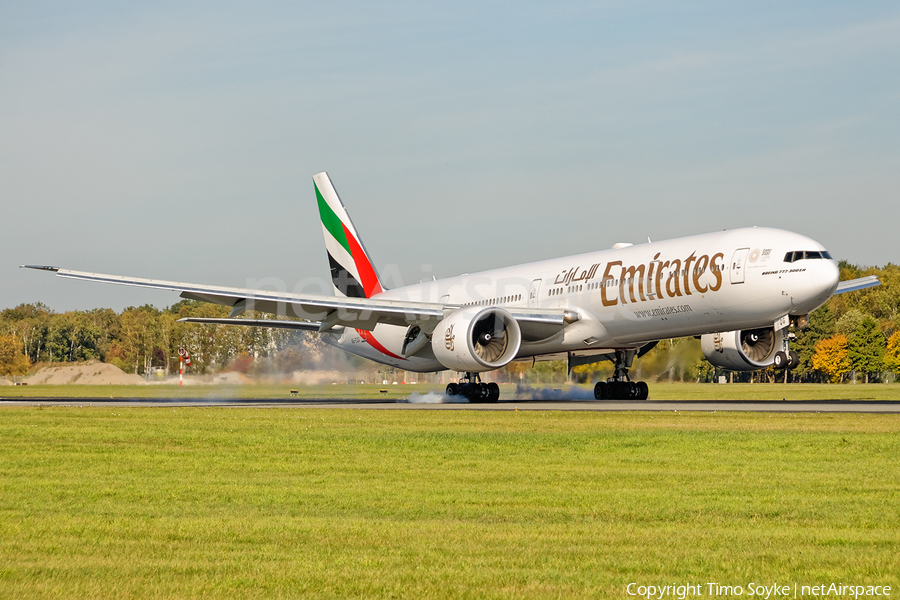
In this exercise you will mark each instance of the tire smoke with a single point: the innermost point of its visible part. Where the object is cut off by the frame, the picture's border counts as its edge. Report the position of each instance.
(526, 392)
(432, 398)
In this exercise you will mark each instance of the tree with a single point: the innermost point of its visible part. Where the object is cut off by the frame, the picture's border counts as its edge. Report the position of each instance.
(866, 348)
(28, 323)
(833, 357)
(892, 353)
(210, 346)
(821, 326)
(144, 340)
(850, 322)
(12, 359)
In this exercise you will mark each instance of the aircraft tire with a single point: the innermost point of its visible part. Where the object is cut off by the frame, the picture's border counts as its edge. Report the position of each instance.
(476, 393)
(467, 391)
(643, 390)
(493, 392)
(793, 360)
(601, 391)
(479, 391)
(612, 390)
(618, 390)
(781, 360)
(452, 389)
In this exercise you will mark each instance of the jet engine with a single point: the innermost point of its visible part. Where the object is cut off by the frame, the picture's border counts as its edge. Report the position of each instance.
(746, 350)
(476, 339)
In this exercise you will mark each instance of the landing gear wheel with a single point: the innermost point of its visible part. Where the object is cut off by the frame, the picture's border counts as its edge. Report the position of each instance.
(793, 360)
(452, 389)
(480, 390)
(476, 393)
(781, 360)
(622, 390)
(612, 390)
(643, 390)
(493, 392)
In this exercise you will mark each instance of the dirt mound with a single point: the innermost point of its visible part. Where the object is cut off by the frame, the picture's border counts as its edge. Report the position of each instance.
(89, 373)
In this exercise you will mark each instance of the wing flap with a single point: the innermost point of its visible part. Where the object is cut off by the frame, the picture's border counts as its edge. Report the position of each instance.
(274, 323)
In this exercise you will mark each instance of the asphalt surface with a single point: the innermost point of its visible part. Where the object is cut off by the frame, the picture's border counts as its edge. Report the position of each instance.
(843, 406)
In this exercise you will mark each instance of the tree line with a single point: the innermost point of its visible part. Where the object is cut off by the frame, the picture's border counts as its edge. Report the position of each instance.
(854, 336)
(142, 339)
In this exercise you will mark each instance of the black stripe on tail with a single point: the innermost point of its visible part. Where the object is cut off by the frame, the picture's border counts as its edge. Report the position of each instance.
(344, 281)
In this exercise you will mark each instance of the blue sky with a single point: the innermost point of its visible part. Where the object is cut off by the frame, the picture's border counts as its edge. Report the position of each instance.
(178, 142)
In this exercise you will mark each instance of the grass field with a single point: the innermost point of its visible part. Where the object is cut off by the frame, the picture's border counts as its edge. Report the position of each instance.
(658, 391)
(289, 503)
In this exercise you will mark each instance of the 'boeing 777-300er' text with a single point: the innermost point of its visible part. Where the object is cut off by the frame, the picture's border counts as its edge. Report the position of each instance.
(740, 291)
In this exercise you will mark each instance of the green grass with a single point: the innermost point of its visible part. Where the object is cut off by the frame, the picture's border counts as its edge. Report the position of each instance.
(658, 391)
(774, 391)
(262, 391)
(291, 503)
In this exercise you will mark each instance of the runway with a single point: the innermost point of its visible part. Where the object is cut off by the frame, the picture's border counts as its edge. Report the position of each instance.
(809, 406)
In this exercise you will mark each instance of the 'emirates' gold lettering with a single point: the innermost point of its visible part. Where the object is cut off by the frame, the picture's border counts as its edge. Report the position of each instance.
(639, 283)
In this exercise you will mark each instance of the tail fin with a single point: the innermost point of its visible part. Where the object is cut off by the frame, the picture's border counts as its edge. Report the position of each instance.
(352, 272)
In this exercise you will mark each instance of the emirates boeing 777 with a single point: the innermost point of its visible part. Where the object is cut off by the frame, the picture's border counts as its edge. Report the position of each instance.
(741, 291)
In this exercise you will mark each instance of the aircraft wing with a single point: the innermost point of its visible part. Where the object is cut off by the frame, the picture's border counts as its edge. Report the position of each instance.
(325, 311)
(857, 284)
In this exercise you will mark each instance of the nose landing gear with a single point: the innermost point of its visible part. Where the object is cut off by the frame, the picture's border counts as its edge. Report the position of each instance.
(786, 358)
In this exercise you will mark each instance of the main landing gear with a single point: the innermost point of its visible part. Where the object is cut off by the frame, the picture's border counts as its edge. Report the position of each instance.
(619, 386)
(786, 358)
(471, 388)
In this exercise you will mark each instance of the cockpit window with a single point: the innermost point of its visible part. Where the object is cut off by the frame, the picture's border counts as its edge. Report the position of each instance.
(806, 255)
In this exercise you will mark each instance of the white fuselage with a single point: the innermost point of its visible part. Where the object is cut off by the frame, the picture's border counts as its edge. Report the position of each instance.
(626, 297)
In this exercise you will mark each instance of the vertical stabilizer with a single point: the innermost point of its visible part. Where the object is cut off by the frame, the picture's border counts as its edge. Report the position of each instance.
(352, 272)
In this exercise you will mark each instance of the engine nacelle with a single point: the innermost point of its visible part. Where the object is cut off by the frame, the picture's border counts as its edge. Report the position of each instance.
(476, 339)
(746, 350)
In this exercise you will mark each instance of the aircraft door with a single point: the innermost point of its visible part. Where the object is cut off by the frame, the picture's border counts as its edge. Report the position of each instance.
(737, 265)
(533, 293)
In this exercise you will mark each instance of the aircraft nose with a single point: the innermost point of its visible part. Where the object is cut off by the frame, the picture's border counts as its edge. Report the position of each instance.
(823, 280)
(831, 276)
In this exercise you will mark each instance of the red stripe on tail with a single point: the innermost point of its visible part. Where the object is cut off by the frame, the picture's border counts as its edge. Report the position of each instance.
(367, 276)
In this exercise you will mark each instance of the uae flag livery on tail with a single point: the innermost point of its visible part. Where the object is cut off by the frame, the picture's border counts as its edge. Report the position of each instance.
(352, 272)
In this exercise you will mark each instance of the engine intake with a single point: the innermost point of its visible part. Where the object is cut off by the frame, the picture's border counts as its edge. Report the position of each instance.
(746, 350)
(476, 339)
